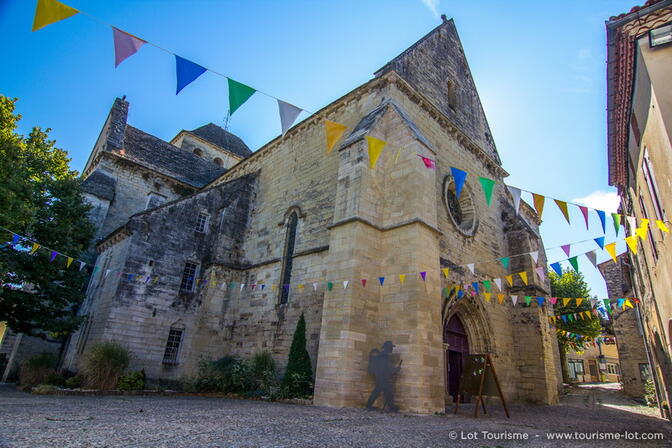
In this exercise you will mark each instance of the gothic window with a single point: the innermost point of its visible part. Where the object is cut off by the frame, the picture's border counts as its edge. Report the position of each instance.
(188, 276)
(286, 278)
(218, 162)
(171, 355)
(462, 210)
(202, 222)
(198, 152)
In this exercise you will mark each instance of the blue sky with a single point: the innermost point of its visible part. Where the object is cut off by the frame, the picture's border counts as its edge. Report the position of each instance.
(539, 68)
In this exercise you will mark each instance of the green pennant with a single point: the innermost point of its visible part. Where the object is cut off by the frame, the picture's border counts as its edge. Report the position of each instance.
(574, 262)
(486, 283)
(488, 185)
(505, 262)
(238, 94)
(330, 286)
(528, 299)
(617, 222)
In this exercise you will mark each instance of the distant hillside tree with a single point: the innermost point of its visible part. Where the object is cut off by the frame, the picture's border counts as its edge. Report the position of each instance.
(572, 285)
(41, 199)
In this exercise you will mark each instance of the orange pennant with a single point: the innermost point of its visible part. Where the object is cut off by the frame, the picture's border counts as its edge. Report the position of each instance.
(509, 278)
(334, 131)
(565, 301)
(500, 298)
(578, 301)
(538, 203)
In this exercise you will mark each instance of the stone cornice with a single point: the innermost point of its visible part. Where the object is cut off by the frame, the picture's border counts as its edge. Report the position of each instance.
(118, 235)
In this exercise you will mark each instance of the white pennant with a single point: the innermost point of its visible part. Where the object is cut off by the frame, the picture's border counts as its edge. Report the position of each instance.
(242, 286)
(315, 287)
(345, 284)
(107, 272)
(535, 256)
(592, 256)
(81, 265)
(288, 114)
(471, 267)
(515, 192)
(498, 282)
(514, 299)
(632, 224)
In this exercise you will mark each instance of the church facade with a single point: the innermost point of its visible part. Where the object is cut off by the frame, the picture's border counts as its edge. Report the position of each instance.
(301, 222)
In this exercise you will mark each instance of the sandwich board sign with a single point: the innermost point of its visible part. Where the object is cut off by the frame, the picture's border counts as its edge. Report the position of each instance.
(479, 379)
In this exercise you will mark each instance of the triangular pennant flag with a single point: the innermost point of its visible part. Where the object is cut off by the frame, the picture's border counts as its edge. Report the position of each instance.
(523, 277)
(574, 262)
(611, 248)
(402, 278)
(381, 280)
(505, 262)
(566, 248)
(429, 163)
(515, 192)
(528, 299)
(330, 286)
(471, 268)
(553, 300)
(600, 241)
(628, 304)
(459, 177)
(81, 265)
(535, 256)
(333, 131)
(107, 272)
(69, 262)
(514, 300)
(540, 301)
(632, 243)
(579, 301)
(187, 72)
(556, 267)
(565, 301)
(661, 225)
(487, 296)
(51, 11)
(562, 205)
(262, 286)
(242, 286)
(593, 302)
(617, 222)
(541, 272)
(314, 286)
(375, 148)
(363, 283)
(592, 257)
(475, 286)
(500, 298)
(125, 45)
(487, 285)
(632, 224)
(498, 282)
(641, 232)
(423, 275)
(238, 94)
(620, 303)
(538, 203)
(584, 212)
(53, 255)
(345, 284)
(488, 185)
(288, 114)
(445, 272)
(509, 278)
(34, 248)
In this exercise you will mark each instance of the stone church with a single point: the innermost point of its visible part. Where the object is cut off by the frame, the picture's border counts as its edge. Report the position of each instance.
(193, 216)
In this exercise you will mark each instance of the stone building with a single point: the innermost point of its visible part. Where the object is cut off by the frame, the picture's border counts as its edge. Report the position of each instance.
(595, 364)
(639, 124)
(207, 243)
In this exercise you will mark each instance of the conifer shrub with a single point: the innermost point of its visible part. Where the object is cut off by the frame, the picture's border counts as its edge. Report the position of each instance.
(104, 364)
(298, 379)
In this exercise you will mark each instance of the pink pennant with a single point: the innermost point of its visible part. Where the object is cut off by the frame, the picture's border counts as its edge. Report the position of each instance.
(553, 300)
(584, 212)
(125, 45)
(363, 283)
(541, 273)
(429, 163)
(566, 248)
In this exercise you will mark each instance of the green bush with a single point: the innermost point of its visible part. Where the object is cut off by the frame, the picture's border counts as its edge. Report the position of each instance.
(55, 380)
(226, 375)
(298, 379)
(74, 382)
(132, 381)
(104, 364)
(263, 371)
(37, 368)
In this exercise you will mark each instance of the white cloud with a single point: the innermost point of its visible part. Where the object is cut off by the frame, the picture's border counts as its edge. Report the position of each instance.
(432, 5)
(601, 200)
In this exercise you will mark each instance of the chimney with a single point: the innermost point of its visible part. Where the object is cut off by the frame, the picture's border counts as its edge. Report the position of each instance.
(117, 126)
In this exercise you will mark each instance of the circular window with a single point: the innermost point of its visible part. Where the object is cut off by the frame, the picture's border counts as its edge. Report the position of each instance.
(462, 210)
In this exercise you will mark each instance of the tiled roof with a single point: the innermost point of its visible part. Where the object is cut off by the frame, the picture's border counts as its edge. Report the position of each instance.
(100, 184)
(222, 138)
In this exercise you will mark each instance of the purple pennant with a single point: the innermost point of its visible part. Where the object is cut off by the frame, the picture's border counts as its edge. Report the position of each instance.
(53, 256)
(286, 287)
(125, 45)
(423, 275)
(567, 248)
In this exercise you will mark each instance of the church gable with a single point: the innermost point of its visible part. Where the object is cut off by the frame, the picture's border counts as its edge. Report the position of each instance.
(437, 68)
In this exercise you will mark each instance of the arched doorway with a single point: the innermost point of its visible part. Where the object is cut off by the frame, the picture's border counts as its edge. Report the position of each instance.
(457, 347)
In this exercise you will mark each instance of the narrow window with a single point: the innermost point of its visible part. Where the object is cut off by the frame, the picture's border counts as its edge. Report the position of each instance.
(289, 257)
(188, 276)
(202, 222)
(645, 212)
(452, 95)
(218, 162)
(170, 356)
(653, 186)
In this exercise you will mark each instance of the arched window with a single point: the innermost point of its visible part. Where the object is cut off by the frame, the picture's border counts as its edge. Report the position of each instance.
(285, 284)
(218, 162)
(198, 152)
(452, 94)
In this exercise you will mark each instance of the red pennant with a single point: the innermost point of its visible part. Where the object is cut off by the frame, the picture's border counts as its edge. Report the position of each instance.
(363, 283)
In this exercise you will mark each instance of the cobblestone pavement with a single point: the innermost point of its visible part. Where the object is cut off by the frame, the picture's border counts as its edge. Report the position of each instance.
(136, 421)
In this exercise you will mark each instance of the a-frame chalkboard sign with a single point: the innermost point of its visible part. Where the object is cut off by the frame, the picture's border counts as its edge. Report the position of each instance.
(479, 379)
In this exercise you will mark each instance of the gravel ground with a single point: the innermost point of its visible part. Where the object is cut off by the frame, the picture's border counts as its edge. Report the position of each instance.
(136, 421)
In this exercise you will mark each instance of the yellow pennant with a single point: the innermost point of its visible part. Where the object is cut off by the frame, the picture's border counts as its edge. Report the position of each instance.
(627, 304)
(500, 298)
(538, 203)
(661, 225)
(611, 248)
(402, 278)
(69, 262)
(641, 232)
(273, 287)
(509, 278)
(445, 272)
(551, 318)
(300, 286)
(523, 277)
(562, 205)
(334, 131)
(51, 11)
(375, 148)
(34, 248)
(565, 301)
(487, 296)
(578, 302)
(632, 243)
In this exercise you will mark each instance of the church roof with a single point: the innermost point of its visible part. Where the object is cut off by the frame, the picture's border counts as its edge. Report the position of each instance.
(222, 138)
(100, 184)
(168, 159)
